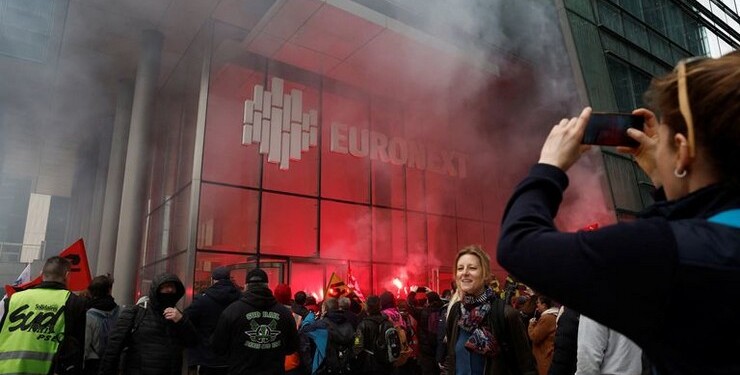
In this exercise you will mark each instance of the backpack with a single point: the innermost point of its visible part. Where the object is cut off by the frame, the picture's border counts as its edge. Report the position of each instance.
(399, 350)
(106, 323)
(339, 349)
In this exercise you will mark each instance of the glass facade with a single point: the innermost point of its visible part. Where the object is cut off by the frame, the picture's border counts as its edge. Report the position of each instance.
(364, 151)
(630, 41)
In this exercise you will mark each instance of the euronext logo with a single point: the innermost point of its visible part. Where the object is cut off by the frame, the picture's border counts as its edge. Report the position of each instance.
(276, 122)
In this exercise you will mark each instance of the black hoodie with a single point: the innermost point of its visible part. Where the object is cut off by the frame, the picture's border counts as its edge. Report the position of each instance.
(204, 313)
(257, 333)
(155, 345)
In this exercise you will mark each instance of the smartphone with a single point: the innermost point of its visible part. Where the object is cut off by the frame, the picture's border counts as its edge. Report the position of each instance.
(610, 129)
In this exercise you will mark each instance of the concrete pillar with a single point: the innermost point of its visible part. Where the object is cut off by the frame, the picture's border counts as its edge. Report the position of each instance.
(114, 181)
(133, 195)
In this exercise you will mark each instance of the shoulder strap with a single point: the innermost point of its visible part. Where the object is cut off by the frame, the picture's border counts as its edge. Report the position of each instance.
(730, 218)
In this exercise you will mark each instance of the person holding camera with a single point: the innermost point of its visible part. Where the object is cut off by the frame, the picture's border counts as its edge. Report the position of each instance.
(648, 278)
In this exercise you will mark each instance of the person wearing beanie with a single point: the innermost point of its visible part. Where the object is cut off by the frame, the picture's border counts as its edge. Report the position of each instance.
(204, 313)
(256, 332)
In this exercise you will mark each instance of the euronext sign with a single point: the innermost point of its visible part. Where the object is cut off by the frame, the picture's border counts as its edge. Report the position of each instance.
(363, 143)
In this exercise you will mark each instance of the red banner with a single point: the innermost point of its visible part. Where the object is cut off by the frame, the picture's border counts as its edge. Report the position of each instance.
(79, 277)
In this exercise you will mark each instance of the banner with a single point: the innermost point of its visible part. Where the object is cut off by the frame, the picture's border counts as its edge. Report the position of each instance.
(24, 277)
(79, 277)
(352, 283)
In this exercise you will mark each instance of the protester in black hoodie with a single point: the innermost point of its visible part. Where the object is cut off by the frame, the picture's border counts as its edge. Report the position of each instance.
(204, 313)
(256, 332)
(155, 335)
(299, 304)
(101, 308)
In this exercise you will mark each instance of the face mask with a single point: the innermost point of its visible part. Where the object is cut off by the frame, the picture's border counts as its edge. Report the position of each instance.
(167, 299)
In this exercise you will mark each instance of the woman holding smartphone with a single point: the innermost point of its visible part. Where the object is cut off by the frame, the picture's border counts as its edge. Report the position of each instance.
(649, 278)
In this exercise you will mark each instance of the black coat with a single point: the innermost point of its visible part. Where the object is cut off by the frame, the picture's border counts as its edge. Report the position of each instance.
(648, 279)
(155, 345)
(204, 313)
(256, 333)
(566, 344)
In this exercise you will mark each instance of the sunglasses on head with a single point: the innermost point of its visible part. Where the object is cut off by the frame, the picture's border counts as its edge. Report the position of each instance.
(683, 99)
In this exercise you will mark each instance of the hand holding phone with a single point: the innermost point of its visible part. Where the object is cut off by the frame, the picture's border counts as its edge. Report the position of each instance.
(610, 129)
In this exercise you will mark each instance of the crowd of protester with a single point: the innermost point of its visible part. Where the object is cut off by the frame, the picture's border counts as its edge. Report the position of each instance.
(686, 246)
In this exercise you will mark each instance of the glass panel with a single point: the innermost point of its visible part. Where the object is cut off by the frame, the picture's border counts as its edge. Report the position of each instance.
(469, 198)
(623, 90)
(440, 194)
(308, 277)
(225, 158)
(180, 220)
(622, 180)
(633, 6)
(415, 196)
(205, 262)
(297, 176)
(674, 23)
(388, 178)
(383, 278)
(345, 172)
(609, 16)
(416, 224)
(345, 231)
(227, 218)
(469, 232)
(654, 14)
(442, 237)
(283, 214)
(636, 33)
(389, 235)
(490, 243)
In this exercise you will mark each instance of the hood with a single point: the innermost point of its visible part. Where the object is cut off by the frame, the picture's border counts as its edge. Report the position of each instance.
(158, 281)
(105, 303)
(223, 291)
(259, 297)
(337, 317)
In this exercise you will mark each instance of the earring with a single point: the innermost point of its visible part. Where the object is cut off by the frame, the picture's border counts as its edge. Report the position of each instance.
(678, 174)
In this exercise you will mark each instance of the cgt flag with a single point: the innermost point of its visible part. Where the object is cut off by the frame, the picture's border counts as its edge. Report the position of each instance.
(79, 277)
(336, 287)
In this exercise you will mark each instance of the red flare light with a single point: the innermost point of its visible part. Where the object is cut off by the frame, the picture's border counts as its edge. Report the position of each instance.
(397, 282)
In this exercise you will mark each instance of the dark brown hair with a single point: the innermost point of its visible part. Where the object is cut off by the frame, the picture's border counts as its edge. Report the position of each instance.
(713, 87)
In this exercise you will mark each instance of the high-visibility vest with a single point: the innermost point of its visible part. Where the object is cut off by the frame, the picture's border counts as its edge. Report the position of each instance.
(32, 331)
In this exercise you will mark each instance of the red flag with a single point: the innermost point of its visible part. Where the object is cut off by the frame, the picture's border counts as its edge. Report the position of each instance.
(79, 277)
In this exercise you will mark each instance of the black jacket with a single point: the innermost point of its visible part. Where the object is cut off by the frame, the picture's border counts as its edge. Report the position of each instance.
(70, 353)
(367, 361)
(256, 333)
(204, 313)
(649, 278)
(155, 345)
(564, 357)
(299, 309)
(427, 338)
